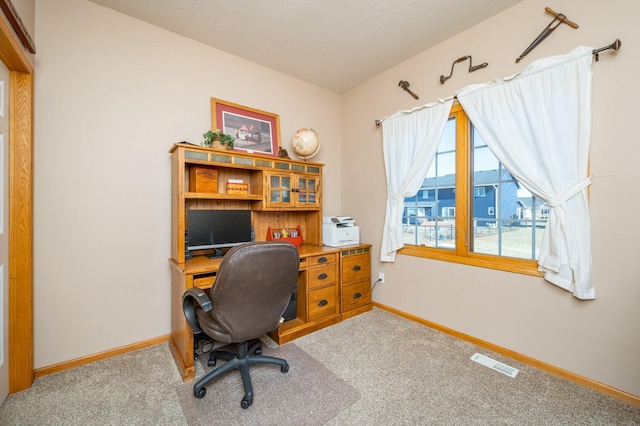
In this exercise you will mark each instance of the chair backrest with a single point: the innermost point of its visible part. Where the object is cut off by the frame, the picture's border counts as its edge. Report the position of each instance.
(253, 287)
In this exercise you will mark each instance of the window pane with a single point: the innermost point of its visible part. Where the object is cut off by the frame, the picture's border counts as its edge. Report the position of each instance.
(429, 216)
(286, 182)
(507, 220)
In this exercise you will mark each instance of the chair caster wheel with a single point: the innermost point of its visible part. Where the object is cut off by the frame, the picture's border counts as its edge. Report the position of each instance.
(258, 351)
(284, 368)
(245, 403)
(201, 393)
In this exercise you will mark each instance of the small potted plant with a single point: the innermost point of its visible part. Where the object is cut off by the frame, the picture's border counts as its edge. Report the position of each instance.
(217, 139)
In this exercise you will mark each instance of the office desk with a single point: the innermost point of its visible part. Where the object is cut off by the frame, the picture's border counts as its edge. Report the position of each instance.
(321, 300)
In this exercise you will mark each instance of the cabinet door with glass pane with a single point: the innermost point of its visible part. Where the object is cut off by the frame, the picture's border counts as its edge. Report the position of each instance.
(307, 191)
(292, 190)
(280, 186)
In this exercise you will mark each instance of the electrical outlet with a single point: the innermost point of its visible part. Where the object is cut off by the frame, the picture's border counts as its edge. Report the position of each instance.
(381, 277)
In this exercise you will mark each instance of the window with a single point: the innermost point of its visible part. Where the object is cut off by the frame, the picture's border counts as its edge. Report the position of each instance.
(449, 212)
(471, 210)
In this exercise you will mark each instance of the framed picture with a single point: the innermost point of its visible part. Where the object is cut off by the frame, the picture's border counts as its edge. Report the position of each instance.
(254, 131)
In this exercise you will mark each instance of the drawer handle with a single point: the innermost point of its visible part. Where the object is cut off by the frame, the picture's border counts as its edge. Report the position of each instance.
(357, 296)
(323, 302)
(322, 276)
(323, 260)
(356, 268)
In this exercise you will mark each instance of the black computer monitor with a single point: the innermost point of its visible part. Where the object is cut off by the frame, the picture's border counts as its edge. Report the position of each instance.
(215, 229)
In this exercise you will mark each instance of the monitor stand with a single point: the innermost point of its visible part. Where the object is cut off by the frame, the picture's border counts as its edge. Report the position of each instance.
(216, 254)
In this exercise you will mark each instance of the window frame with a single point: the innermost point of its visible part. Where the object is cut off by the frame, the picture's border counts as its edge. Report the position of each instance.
(462, 253)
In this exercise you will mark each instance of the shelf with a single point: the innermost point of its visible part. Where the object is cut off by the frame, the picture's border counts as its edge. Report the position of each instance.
(214, 196)
(194, 154)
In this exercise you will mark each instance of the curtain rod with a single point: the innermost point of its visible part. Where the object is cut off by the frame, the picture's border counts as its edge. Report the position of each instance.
(378, 122)
(613, 46)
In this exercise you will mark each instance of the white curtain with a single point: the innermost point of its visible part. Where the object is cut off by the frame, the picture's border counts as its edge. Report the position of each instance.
(538, 124)
(410, 142)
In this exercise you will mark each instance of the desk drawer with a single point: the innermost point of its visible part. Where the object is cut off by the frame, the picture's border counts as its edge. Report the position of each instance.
(356, 295)
(321, 276)
(204, 281)
(322, 302)
(303, 264)
(356, 268)
(322, 259)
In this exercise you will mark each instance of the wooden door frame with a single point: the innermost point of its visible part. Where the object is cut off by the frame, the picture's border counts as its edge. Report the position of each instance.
(12, 54)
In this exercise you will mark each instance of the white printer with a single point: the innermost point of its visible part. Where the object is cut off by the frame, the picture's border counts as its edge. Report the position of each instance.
(338, 231)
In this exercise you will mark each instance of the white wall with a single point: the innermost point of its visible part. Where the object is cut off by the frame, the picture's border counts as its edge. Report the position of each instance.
(112, 94)
(597, 339)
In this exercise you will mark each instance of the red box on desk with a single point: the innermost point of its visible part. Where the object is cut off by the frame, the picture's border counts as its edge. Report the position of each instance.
(276, 235)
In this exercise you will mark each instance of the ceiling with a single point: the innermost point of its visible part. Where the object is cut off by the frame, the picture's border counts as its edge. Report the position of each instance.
(335, 44)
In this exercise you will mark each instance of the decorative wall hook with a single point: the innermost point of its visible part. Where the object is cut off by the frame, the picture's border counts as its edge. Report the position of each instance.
(405, 86)
(558, 18)
(472, 68)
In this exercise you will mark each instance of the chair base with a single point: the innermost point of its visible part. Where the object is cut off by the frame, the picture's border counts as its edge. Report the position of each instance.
(240, 360)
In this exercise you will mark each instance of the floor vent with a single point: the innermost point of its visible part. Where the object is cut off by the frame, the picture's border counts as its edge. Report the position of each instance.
(495, 365)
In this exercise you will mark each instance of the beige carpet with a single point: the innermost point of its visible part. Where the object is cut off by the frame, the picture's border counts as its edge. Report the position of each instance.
(406, 374)
(298, 397)
(134, 388)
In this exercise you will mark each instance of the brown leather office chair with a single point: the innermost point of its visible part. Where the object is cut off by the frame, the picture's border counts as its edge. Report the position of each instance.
(252, 289)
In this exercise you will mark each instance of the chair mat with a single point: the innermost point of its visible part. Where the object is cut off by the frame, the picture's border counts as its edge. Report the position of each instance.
(298, 397)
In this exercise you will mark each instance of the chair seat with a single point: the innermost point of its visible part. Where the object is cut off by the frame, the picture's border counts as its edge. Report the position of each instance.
(211, 327)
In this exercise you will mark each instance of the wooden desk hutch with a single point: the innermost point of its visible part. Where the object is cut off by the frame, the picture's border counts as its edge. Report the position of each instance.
(333, 283)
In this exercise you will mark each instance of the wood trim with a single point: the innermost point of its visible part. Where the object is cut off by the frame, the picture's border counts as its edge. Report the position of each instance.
(11, 52)
(98, 356)
(20, 208)
(20, 231)
(581, 380)
(18, 26)
(507, 264)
